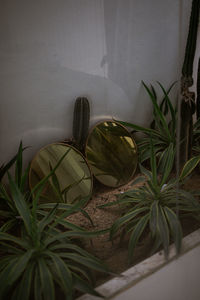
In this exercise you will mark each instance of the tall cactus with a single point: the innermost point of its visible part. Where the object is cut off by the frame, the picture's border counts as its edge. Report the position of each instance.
(187, 69)
(81, 122)
(198, 91)
(188, 97)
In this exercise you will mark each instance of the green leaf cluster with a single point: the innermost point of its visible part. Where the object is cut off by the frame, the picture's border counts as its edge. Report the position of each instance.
(45, 257)
(152, 207)
(8, 211)
(9, 216)
(162, 131)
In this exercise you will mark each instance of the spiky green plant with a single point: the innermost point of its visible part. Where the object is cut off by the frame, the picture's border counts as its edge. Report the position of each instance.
(163, 128)
(44, 260)
(152, 208)
(9, 215)
(8, 211)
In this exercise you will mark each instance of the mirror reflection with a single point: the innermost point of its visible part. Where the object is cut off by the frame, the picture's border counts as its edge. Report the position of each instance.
(72, 179)
(111, 154)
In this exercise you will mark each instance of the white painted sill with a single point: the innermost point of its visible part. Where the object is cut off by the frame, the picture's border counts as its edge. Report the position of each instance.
(147, 267)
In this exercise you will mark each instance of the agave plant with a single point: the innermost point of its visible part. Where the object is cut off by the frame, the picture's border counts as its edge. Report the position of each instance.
(8, 211)
(152, 207)
(44, 259)
(162, 131)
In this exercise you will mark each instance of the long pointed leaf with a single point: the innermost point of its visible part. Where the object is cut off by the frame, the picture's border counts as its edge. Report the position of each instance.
(63, 272)
(10, 238)
(84, 287)
(86, 261)
(20, 204)
(153, 164)
(136, 234)
(172, 110)
(153, 222)
(18, 167)
(37, 190)
(24, 286)
(126, 218)
(175, 227)
(46, 280)
(158, 112)
(163, 230)
(189, 166)
(168, 163)
(37, 285)
(12, 272)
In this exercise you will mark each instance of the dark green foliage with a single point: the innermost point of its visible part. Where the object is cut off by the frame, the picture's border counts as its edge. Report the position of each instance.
(8, 211)
(81, 122)
(163, 128)
(44, 259)
(152, 207)
(196, 137)
(9, 217)
(188, 98)
(198, 91)
(186, 132)
(37, 259)
(187, 69)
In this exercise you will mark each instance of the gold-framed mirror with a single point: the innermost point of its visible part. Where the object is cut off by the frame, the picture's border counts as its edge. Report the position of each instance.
(71, 181)
(111, 153)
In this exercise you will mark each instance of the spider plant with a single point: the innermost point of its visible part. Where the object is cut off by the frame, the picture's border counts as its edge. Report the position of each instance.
(152, 207)
(44, 260)
(162, 131)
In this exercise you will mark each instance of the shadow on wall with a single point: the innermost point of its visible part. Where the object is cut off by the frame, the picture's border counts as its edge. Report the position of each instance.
(43, 110)
(46, 64)
(138, 36)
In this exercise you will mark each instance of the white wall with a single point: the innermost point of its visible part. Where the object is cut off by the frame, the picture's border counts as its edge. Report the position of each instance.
(178, 280)
(54, 51)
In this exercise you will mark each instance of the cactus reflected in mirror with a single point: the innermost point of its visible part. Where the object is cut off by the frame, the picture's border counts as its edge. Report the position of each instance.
(111, 154)
(72, 179)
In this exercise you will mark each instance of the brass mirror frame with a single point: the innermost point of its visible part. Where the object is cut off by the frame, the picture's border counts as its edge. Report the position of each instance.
(134, 158)
(67, 147)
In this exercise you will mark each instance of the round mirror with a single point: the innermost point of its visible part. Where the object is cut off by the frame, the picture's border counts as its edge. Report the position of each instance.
(111, 154)
(72, 179)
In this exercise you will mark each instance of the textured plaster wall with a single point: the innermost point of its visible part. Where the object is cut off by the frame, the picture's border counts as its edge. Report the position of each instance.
(54, 51)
